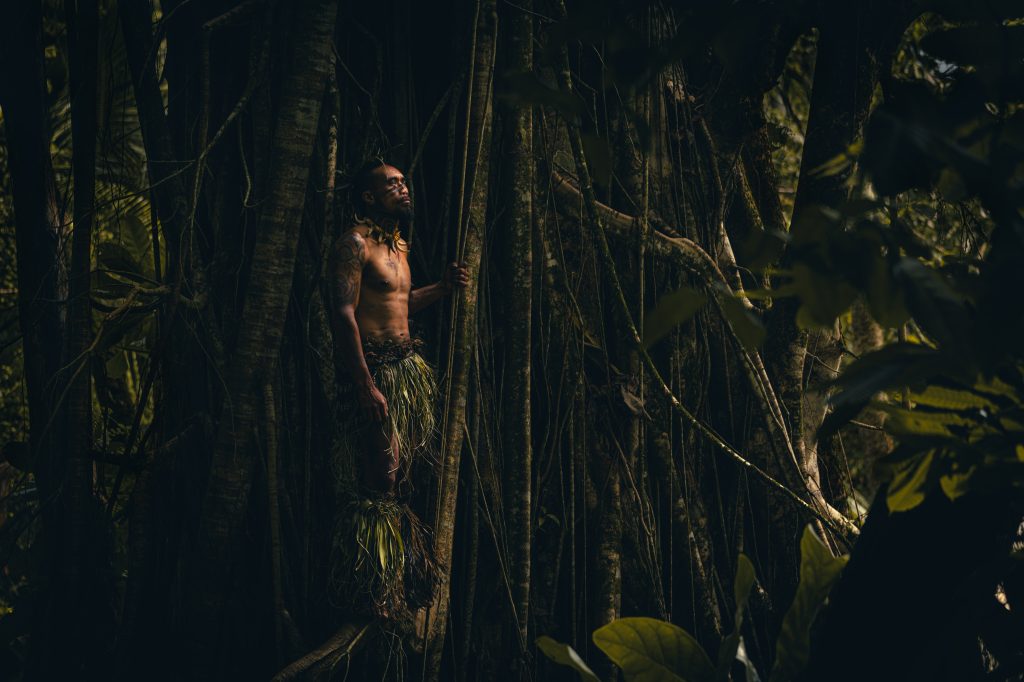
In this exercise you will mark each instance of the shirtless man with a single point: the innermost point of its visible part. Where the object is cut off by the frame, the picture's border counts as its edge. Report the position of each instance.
(372, 300)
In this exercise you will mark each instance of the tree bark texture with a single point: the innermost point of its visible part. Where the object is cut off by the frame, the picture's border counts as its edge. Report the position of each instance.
(464, 336)
(518, 314)
(230, 479)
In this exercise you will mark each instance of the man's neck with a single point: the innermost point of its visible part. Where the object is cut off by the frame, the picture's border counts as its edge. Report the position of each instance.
(386, 230)
(385, 222)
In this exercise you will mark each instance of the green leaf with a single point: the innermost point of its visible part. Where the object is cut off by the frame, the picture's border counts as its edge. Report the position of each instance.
(672, 310)
(884, 298)
(895, 365)
(823, 295)
(742, 586)
(819, 571)
(909, 483)
(563, 654)
(651, 650)
(957, 484)
(951, 398)
(750, 672)
(902, 422)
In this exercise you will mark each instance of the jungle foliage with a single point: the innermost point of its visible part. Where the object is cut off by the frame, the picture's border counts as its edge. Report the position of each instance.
(736, 391)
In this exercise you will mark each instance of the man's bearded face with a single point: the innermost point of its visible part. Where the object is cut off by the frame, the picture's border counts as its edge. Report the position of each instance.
(390, 194)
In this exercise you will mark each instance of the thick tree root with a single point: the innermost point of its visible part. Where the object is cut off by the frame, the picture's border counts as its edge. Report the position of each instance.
(319, 663)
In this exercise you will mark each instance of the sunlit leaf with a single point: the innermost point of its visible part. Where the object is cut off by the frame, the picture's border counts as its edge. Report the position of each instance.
(819, 571)
(905, 422)
(909, 483)
(749, 671)
(958, 483)
(651, 650)
(895, 365)
(563, 654)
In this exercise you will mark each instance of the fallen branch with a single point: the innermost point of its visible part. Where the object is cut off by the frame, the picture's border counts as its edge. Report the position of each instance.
(320, 662)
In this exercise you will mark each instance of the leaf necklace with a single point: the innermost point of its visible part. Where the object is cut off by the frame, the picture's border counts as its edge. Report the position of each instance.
(392, 238)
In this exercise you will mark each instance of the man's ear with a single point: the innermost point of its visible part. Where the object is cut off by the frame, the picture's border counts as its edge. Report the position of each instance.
(368, 198)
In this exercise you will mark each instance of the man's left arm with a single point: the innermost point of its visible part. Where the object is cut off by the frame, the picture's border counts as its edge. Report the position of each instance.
(455, 277)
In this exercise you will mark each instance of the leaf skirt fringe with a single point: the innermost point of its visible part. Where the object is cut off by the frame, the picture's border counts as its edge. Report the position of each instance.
(382, 559)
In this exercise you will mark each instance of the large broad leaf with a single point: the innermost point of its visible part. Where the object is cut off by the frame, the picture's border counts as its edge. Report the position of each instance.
(910, 483)
(884, 298)
(563, 654)
(954, 397)
(902, 422)
(742, 586)
(651, 650)
(672, 310)
(819, 570)
(894, 366)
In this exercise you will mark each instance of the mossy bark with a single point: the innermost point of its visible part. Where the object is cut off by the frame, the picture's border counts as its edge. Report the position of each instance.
(463, 343)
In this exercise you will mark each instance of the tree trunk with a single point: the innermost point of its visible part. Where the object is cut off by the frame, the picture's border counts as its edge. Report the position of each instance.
(84, 606)
(37, 223)
(37, 234)
(518, 294)
(214, 561)
(465, 322)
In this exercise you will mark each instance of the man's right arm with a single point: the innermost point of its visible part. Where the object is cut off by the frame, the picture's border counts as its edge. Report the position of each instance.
(346, 269)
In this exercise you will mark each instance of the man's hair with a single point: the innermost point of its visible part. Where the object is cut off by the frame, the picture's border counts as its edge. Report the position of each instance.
(362, 180)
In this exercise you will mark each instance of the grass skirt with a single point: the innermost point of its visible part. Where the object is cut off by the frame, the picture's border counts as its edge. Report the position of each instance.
(381, 557)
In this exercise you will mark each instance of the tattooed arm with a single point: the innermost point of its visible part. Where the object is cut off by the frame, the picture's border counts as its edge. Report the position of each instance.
(346, 270)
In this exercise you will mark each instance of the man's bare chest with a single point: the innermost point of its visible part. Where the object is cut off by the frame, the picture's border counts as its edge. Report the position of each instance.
(387, 271)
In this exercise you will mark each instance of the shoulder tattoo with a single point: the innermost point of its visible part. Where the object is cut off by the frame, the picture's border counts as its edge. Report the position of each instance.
(348, 257)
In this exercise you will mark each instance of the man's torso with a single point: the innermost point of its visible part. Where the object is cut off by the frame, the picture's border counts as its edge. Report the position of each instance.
(382, 312)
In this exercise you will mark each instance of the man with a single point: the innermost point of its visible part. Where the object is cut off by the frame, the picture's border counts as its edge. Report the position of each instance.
(380, 559)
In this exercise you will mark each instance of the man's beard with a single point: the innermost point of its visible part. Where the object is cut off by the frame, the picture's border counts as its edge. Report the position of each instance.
(404, 214)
